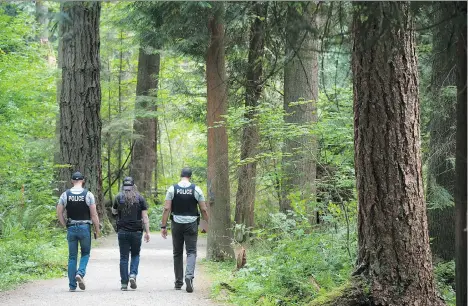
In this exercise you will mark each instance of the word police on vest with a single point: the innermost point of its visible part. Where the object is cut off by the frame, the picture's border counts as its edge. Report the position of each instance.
(76, 198)
(184, 191)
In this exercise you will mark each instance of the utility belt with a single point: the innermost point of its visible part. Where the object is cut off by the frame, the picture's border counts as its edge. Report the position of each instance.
(71, 222)
(198, 218)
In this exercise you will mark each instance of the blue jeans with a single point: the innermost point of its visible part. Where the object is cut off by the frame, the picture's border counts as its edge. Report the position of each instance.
(82, 234)
(129, 244)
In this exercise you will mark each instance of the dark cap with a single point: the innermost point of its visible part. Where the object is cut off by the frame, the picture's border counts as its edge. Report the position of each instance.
(186, 172)
(77, 176)
(128, 183)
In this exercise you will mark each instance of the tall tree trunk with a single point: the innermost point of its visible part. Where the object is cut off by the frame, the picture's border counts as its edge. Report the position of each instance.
(80, 97)
(441, 170)
(144, 151)
(394, 254)
(460, 164)
(61, 181)
(119, 109)
(245, 198)
(108, 135)
(218, 247)
(300, 96)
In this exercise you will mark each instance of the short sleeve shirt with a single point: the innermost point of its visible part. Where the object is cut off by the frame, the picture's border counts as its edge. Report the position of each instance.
(129, 219)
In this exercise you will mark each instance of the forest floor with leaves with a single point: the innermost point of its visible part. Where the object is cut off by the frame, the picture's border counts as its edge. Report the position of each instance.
(155, 280)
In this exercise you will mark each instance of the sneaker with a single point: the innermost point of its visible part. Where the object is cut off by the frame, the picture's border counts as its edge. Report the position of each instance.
(80, 281)
(189, 284)
(72, 289)
(132, 281)
(177, 287)
(123, 287)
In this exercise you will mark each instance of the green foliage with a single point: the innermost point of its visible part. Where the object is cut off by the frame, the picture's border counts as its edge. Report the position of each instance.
(32, 255)
(445, 278)
(289, 263)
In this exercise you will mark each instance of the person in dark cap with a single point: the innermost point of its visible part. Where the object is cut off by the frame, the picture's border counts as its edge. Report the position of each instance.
(183, 200)
(80, 208)
(132, 212)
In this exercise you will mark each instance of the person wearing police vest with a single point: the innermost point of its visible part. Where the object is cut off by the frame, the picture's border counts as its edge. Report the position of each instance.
(81, 212)
(132, 212)
(182, 202)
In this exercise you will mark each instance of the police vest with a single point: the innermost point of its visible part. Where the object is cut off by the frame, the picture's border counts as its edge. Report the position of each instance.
(184, 202)
(77, 209)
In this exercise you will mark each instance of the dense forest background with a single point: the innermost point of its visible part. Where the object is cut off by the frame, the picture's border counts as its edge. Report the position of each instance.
(259, 99)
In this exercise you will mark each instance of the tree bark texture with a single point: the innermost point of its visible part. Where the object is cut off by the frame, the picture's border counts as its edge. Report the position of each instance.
(460, 165)
(144, 150)
(394, 254)
(218, 164)
(245, 198)
(441, 169)
(80, 96)
(300, 98)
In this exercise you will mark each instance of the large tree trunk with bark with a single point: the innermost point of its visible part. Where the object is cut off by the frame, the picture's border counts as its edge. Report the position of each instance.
(460, 164)
(441, 169)
(245, 198)
(394, 255)
(144, 150)
(300, 96)
(80, 96)
(218, 164)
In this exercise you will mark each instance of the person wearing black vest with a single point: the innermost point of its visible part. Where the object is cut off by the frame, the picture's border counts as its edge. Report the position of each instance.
(81, 212)
(183, 200)
(132, 212)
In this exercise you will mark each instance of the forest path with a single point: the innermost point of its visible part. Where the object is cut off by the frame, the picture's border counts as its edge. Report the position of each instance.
(155, 280)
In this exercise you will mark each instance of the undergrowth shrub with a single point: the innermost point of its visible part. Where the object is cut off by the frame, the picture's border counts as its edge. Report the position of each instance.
(444, 273)
(288, 263)
(32, 255)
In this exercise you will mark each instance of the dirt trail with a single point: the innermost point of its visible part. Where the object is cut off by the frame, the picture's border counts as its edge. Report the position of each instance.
(155, 280)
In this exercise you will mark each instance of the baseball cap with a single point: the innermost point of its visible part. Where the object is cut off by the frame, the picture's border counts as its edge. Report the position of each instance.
(77, 176)
(186, 172)
(128, 183)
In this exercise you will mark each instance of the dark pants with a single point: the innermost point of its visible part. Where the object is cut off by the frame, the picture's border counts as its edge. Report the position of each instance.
(181, 233)
(129, 243)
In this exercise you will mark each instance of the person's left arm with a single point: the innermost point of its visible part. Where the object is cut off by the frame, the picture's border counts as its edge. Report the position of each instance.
(60, 210)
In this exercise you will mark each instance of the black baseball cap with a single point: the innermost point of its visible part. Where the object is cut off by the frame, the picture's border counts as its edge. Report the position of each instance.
(77, 176)
(128, 182)
(186, 172)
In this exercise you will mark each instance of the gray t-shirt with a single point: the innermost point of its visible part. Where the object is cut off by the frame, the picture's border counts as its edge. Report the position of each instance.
(198, 196)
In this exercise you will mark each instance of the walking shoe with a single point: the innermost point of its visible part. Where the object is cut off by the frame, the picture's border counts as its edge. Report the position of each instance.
(72, 289)
(123, 287)
(132, 281)
(177, 287)
(189, 284)
(80, 281)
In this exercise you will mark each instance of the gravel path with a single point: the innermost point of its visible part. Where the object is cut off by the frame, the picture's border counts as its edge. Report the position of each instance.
(155, 280)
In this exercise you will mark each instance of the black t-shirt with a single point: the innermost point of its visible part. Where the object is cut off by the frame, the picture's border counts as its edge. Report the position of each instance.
(129, 218)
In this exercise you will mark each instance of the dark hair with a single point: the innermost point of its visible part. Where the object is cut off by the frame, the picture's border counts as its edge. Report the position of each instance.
(186, 172)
